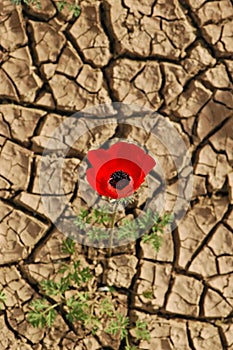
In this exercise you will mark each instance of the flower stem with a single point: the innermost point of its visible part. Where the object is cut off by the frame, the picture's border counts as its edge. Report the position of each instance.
(112, 228)
(127, 341)
(50, 308)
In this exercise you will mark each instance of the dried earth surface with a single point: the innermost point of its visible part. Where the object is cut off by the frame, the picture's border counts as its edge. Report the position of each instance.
(172, 56)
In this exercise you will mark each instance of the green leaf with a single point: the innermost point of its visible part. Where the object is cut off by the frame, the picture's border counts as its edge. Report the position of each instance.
(78, 307)
(145, 220)
(68, 246)
(128, 347)
(159, 223)
(118, 325)
(80, 223)
(2, 298)
(148, 294)
(64, 268)
(27, 2)
(50, 287)
(65, 284)
(85, 275)
(76, 264)
(141, 331)
(127, 230)
(74, 275)
(83, 297)
(100, 216)
(83, 213)
(50, 317)
(80, 276)
(97, 234)
(76, 10)
(61, 5)
(155, 218)
(42, 313)
(154, 240)
(39, 304)
(93, 323)
(126, 200)
(36, 319)
(16, 2)
(106, 307)
(82, 219)
(112, 289)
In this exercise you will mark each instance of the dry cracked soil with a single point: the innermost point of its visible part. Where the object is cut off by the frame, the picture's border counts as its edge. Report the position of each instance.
(171, 56)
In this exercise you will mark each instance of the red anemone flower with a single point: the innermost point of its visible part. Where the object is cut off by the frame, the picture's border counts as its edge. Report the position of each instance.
(118, 171)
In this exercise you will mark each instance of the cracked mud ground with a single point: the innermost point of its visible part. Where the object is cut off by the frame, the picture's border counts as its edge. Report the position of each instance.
(171, 56)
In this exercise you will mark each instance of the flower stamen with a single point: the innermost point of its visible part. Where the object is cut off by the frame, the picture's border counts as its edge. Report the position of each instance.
(119, 179)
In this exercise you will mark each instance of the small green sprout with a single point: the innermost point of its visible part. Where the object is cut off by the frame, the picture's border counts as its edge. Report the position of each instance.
(2, 298)
(73, 6)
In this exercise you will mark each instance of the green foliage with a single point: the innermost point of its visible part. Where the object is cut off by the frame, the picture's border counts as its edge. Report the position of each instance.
(128, 347)
(72, 6)
(141, 331)
(42, 314)
(148, 294)
(95, 217)
(154, 239)
(50, 317)
(50, 287)
(118, 325)
(73, 275)
(2, 298)
(85, 306)
(97, 234)
(80, 223)
(106, 307)
(27, 2)
(100, 216)
(77, 307)
(127, 230)
(83, 213)
(160, 223)
(149, 221)
(61, 5)
(76, 9)
(68, 246)
(126, 200)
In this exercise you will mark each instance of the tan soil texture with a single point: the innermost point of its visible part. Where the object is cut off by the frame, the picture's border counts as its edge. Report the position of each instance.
(173, 56)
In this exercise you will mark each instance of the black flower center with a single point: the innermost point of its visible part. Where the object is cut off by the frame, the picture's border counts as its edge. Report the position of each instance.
(119, 179)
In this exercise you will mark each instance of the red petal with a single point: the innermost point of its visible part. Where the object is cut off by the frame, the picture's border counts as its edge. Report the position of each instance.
(91, 177)
(98, 157)
(105, 172)
(114, 165)
(133, 153)
(148, 164)
(109, 191)
(121, 156)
